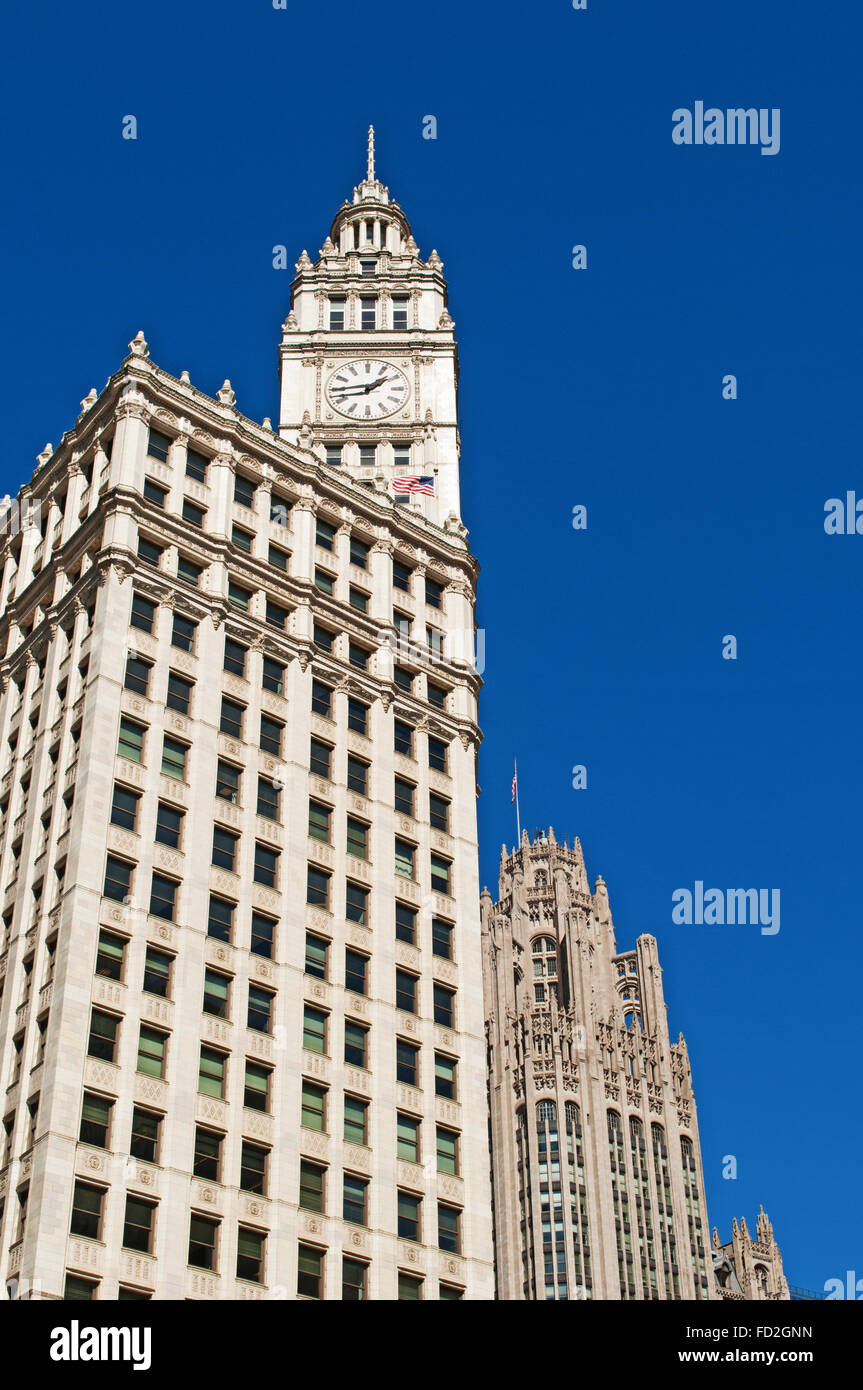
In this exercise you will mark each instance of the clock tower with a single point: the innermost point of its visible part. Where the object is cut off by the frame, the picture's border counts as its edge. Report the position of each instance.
(368, 361)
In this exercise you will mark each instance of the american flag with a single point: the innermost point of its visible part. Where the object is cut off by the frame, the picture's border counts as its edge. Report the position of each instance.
(514, 785)
(414, 483)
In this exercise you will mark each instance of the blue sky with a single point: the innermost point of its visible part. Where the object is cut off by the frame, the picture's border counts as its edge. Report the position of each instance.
(599, 387)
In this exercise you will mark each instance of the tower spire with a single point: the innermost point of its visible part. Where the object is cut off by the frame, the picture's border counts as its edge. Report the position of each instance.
(370, 171)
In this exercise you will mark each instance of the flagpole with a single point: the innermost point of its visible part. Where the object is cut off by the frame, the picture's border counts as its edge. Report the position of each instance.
(517, 812)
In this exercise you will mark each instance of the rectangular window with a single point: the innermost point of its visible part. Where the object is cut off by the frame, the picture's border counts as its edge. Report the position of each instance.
(212, 1071)
(155, 494)
(251, 1246)
(313, 1105)
(228, 782)
(410, 1288)
(157, 972)
(149, 553)
(325, 535)
(406, 923)
(445, 1076)
(78, 1290)
(253, 1168)
(401, 576)
(144, 1139)
(271, 736)
(440, 874)
(404, 797)
(260, 1009)
(400, 311)
(368, 311)
(357, 838)
(317, 887)
(438, 813)
(263, 935)
(163, 897)
(322, 697)
(276, 615)
(356, 903)
(256, 1091)
(354, 1199)
(368, 455)
(358, 656)
(196, 466)
(356, 1043)
(124, 807)
(402, 625)
(359, 600)
(358, 773)
(220, 920)
(235, 657)
(95, 1120)
(193, 514)
(359, 553)
(310, 1266)
(358, 715)
(314, 1030)
(407, 1063)
(356, 968)
(244, 491)
(188, 570)
(356, 1120)
(86, 1211)
(137, 676)
(174, 759)
(238, 596)
(409, 1208)
(118, 878)
(407, 1137)
(143, 613)
(402, 461)
(216, 992)
(266, 865)
(179, 696)
(158, 445)
(334, 455)
(437, 754)
(242, 539)
(203, 1233)
(138, 1224)
(403, 679)
(207, 1162)
(324, 581)
(278, 558)
(152, 1050)
(130, 744)
(231, 718)
(434, 593)
(444, 1006)
(224, 848)
(403, 736)
(448, 1228)
(447, 1150)
(311, 1186)
(367, 268)
(316, 956)
(268, 798)
(102, 1042)
(404, 859)
(337, 314)
(354, 1278)
(442, 938)
(273, 676)
(323, 638)
(436, 695)
(406, 992)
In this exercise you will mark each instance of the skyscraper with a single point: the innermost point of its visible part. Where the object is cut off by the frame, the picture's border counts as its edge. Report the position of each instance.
(597, 1181)
(241, 1024)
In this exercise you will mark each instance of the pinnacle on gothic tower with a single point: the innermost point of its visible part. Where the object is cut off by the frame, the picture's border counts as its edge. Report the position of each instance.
(370, 169)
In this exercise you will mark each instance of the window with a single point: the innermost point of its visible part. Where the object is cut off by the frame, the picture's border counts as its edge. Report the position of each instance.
(313, 1105)
(324, 581)
(95, 1120)
(319, 758)
(224, 848)
(322, 697)
(244, 491)
(109, 955)
(231, 718)
(436, 695)
(356, 903)
(144, 1139)
(334, 455)
(268, 798)
(359, 553)
(260, 1010)
(168, 824)
(404, 860)
(196, 466)
(266, 865)
(403, 738)
(203, 1232)
(238, 596)
(157, 972)
(152, 1049)
(407, 1062)
(325, 535)
(86, 1211)
(402, 625)
(220, 919)
(154, 493)
(143, 613)
(235, 657)
(158, 446)
(207, 1161)
(183, 633)
(279, 508)
(409, 1207)
(174, 759)
(447, 1150)
(228, 781)
(271, 735)
(276, 615)
(357, 838)
(212, 1071)
(137, 676)
(323, 638)
(442, 938)
(273, 676)
(242, 539)
(358, 715)
(310, 1265)
(253, 1168)
(278, 558)
(355, 972)
(103, 1035)
(440, 874)
(437, 754)
(444, 1006)
(358, 656)
(78, 1289)
(188, 570)
(358, 772)
(179, 694)
(337, 314)
(406, 992)
(314, 1029)
(358, 599)
(311, 1186)
(402, 461)
(438, 812)
(263, 935)
(163, 897)
(410, 1288)
(118, 879)
(368, 311)
(126, 1293)
(356, 1043)
(149, 553)
(400, 311)
(404, 797)
(408, 1137)
(367, 268)
(401, 577)
(444, 1076)
(130, 744)
(216, 991)
(356, 1120)
(138, 1224)
(354, 1199)
(256, 1091)
(434, 593)
(354, 1274)
(317, 887)
(316, 956)
(251, 1246)
(448, 1228)
(406, 923)
(403, 679)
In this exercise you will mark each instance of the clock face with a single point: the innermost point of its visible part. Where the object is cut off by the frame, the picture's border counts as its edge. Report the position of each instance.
(367, 389)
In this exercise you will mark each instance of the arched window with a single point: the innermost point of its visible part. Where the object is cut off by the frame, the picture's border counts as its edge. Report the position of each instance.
(636, 1130)
(571, 1114)
(761, 1279)
(615, 1129)
(657, 1134)
(546, 1112)
(544, 952)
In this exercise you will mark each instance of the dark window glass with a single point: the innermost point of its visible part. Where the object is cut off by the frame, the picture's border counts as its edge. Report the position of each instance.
(356, 1043)
(118, 878)
(355, 972)
(109, 955)
(359, 552)
(404, 797)
(356, 903)
(263, 935)
(220, 921)
(406, 923)
(442, 938)
(358, 772)
(253, 1168)
(407, 1063)
(144, 1141)
(103, 1035)
(163, 893)
(231, 718)
(319, 758)
(322, 698)
(235, 657)
(260, 1009)
(434, 593)
(224, 848)
(437, 695)
(444, 1076)
(143, 613)
(406, 992)
(273, 677)
(409, 1216)
(358, 715)
(193, 514)
(202, 1242)
(183, 633)
(437, 754)
(149, 553)
(266, 865)
(438, 812)
(124, 807)
(158, 445)
(403, 679)
(95, 1120)
(207, 1162)
(271, 735)
(317, 887)
(196, 466)
(154, 493)
(444, 1006)
(86, 1211)
(179, 695)
(403, 738)
(244, 491)
(316, 956)
(325, 534)
(278, 558)
(401, 577)
(157, 972)
(268, 799)
(137, 676)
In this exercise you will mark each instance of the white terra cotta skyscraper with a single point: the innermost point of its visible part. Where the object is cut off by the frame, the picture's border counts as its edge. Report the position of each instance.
(242, 1024)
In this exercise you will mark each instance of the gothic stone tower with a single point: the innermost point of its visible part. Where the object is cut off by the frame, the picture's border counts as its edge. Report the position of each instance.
(596, 1164)
(748, 1268)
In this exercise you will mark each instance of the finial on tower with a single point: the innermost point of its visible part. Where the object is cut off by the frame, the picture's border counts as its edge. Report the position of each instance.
(370, 172)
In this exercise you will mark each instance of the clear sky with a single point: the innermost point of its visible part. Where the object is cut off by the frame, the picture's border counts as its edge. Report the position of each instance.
(600, 387)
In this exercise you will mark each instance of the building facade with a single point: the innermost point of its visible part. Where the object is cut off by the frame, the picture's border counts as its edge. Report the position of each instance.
(747, 1267)
(242, 1046)
(597, 1180)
